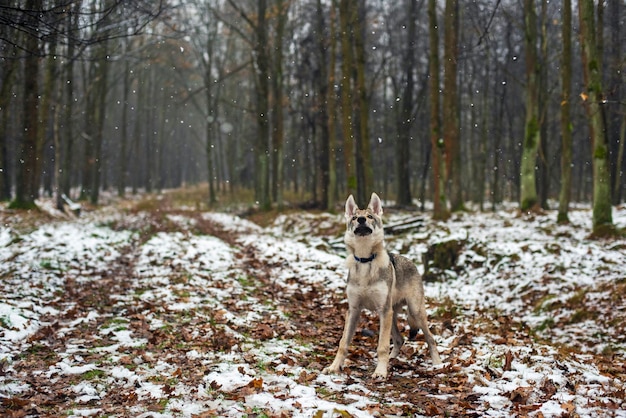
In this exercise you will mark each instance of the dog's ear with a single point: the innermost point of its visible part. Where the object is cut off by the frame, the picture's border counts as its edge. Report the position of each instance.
(351, 207)
(376, 205)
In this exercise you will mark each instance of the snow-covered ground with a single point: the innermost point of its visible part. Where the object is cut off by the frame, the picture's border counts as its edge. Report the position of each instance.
(184, 313)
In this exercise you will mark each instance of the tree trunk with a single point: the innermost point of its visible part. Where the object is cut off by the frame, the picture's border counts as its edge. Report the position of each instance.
(27, 181)
(9, 71)
(47, 110)
(565, 193)
(94, 125)
(451, 105)
(278, 127)
(122, 160)
(602, 210)
(528, 188)
(211, 119)
(67, 139)
(544, 166)
(615, 96)
(437, 143)
(365, 172)
(484, 134)
(262, 107)
(323, 109)
(346, 19)
(331, 113)
(403, 145)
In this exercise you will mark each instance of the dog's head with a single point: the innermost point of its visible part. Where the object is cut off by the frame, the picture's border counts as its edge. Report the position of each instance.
(364, 222)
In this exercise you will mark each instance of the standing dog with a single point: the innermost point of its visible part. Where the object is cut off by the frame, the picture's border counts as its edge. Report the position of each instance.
(381, 282)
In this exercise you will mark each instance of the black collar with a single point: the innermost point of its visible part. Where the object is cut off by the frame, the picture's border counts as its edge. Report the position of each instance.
(365, 260)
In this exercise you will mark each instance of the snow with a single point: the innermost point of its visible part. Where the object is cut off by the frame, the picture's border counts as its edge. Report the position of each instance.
(526, 270)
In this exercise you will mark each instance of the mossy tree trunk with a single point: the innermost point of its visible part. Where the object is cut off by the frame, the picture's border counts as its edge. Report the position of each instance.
(602, 210)
(530, 144)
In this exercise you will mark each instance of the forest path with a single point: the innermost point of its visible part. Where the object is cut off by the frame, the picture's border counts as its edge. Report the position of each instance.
(185, 313)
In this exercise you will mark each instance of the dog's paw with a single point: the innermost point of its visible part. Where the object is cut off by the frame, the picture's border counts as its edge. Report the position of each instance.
(331, 370)
(380, 373)
(379, 376)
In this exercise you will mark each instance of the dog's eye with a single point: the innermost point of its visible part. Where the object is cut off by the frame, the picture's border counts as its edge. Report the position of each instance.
(354, 218)
(370, 216)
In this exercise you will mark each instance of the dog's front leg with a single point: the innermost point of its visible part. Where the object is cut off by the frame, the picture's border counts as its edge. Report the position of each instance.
(386, 321)
(352, 318)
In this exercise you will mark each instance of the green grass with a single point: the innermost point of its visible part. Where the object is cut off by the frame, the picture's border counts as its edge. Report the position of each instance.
(5, 322)
(93, 374)
(546, 324)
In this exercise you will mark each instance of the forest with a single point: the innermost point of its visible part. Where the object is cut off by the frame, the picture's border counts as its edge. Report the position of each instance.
(171, 175)
(308, 101)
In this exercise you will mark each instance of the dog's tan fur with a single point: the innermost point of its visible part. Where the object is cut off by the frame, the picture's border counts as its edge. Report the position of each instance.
(381, 282)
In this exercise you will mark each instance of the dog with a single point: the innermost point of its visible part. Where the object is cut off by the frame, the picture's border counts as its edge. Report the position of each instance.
(380, 282)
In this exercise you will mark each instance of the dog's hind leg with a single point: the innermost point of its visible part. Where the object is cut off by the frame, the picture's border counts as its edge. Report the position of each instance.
(396, 336)
(352, 318)
(418, 319)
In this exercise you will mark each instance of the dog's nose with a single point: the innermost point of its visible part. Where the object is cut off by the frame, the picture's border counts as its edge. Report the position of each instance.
(361, 219)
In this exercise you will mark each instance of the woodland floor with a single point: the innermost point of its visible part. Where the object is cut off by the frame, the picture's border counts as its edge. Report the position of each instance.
(150, 309)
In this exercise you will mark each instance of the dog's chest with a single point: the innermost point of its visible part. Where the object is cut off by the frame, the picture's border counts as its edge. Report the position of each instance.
(367, 291)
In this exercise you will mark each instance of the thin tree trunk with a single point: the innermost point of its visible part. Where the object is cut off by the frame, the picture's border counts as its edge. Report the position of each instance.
(101, 93)
(544, 166)
(484, 134)
(322, 96)
(9, 71)
(615, 95)
(67, 139)
(331, 114)
(278, 126)
(122, 160)
(262, 95)
(211, 120)
(620, 160)
(565, 193)
(47, 110)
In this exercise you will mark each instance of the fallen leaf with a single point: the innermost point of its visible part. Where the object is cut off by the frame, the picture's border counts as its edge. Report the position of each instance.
(521, 395)
(508, 360)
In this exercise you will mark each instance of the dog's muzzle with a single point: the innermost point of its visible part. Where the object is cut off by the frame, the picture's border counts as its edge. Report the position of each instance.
(362, 230)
